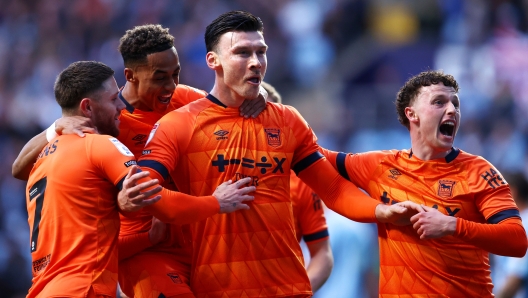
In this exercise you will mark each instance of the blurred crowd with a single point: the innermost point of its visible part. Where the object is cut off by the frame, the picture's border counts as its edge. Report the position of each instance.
(339, 62)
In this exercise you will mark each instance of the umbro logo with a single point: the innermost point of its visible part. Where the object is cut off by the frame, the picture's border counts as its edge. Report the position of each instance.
(140, 139)
(394, 174)
(221, 134)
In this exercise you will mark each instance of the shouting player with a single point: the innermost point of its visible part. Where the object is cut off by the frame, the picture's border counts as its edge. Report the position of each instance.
(468, 210)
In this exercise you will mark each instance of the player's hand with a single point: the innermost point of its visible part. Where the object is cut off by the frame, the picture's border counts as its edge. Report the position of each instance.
(74, 125)
(134, 197)
(399, 213)
(433, 223)
(231, 195)
(158, 231)
(253, 107)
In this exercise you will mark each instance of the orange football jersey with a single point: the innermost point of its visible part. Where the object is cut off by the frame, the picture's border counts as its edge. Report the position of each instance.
(134, 128)
(308, 212)
(250, 252)
(73, 215)
(461, 185)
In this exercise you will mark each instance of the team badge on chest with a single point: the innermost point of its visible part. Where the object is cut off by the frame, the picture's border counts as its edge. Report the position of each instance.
(273, 136)
(445, 188)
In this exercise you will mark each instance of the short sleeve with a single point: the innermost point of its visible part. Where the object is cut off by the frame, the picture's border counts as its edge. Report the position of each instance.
(111, 157)
(492, 193)
(307, 151)
(311, 214)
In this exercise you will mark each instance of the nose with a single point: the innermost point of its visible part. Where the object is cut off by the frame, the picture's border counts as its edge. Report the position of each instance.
(171, 84)
(255, 61)
(451, 109)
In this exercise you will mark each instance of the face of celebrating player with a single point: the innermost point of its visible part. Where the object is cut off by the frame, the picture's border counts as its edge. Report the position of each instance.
(157, 80)
(434, 117)
(106, 108)
(240, 62)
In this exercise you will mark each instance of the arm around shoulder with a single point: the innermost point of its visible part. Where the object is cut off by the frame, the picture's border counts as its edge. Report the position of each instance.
(28, 155)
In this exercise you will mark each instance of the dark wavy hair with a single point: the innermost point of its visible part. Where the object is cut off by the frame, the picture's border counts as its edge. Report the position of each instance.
(411, 88)
(237, 20)
(143, 40)
(79, 80)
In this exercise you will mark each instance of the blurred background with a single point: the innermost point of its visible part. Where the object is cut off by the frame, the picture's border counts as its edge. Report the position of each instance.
(339, 62)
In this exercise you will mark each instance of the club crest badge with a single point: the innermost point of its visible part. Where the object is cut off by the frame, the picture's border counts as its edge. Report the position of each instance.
(273, 136)
(445, 188)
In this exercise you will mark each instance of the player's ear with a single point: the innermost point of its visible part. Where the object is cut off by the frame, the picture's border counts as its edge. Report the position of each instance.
(130, 75)
(411, 114)
(86, 107)
(212, 60)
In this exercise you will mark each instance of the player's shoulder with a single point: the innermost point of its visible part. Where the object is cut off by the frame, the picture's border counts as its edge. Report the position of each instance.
(188, 93)
(379, 155)
(103, 142)
(470, 159)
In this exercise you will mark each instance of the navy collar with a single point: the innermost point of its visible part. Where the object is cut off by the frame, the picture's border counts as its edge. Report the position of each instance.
(449, 157)
(129, 107)
(215, 100)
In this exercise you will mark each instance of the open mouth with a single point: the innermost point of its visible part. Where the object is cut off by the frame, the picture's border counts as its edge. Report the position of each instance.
(447, 128)
(254, 80)
(165, 99)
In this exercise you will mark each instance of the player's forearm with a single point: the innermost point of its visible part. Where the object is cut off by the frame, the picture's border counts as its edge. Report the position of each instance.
(507, 238)
(28, 155)
(339, 194)
(179, 208)
(321, 264)
(130, 245)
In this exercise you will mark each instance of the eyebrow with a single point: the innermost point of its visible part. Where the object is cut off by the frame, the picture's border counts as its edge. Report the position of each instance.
(157, 71)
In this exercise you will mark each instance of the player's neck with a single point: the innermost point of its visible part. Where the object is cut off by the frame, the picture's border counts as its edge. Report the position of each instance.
(131, 96)
(425, 152)
(227, 96)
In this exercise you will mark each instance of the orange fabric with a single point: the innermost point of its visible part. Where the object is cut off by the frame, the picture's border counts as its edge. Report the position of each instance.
(462, 185)
(506, 239)
(75, 215)
(338, 194)
(251, 252)
(132, 244)
(134, 129)
(150, 274)
(308, 211)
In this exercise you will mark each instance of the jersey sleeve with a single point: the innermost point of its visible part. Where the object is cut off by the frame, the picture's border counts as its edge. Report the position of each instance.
(492, 192)
(358, 167)
(165, 142)
(311, 216)
(111, 157)
(307, 150)
(339, 194)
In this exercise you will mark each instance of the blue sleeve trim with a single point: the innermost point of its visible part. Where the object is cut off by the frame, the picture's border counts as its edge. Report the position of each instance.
(505, 214)
(316, 236)
(341, 166)
(307, 161)
(157, 166)
(120, 183)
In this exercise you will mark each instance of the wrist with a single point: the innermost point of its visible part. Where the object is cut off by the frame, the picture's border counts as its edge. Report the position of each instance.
(51, 133)
(380, 213)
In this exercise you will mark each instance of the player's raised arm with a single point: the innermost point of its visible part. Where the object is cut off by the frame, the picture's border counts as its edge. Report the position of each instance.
(66, 125)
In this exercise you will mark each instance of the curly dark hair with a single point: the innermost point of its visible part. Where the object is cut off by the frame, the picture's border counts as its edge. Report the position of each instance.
(237, 20)
(79, 80)
(143, 40)
(411, 88)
